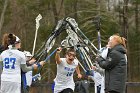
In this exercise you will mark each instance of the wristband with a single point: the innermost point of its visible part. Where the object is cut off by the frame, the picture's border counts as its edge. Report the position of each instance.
(38, 65)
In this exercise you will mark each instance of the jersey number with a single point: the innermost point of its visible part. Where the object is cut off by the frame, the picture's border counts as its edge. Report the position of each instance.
(9, 63)
(69, 74)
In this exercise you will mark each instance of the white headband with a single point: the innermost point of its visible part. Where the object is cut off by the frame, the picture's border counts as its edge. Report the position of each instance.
(17, 40)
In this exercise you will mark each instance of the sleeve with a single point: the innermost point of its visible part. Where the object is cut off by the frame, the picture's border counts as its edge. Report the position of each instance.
(76, 62)
(111, 61)
(25, 68)
(23, 59)
(100, 70)
(63, 61)
(104, 53)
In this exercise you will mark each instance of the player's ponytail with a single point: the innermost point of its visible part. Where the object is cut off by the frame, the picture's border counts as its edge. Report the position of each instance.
(8, 39)
(120, 40)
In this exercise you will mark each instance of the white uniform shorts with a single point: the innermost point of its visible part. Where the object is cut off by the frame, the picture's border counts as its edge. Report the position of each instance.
(10, 87)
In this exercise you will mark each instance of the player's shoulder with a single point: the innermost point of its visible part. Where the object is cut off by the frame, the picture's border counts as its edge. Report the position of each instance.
(20, 53)
(63, 59)
(76, 61)
(4, 52)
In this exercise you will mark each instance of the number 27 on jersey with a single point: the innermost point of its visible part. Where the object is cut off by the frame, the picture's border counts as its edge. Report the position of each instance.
(9, 63)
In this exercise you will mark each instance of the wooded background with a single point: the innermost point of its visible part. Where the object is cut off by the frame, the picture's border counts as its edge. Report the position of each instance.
(117, 16)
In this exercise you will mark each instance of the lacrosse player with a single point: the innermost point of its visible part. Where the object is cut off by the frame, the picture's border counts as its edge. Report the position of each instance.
(66, 67)
(27, 76)
(13, 61)
(98, 76)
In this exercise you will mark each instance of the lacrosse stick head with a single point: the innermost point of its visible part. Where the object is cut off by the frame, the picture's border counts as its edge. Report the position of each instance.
(64, 43)
(38, 17)
(97, 22)
(72, 22)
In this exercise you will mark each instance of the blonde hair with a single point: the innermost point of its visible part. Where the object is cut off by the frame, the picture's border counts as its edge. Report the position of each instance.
(120, 40)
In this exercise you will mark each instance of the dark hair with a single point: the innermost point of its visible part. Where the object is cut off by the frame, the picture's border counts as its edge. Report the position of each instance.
(71, 50)
(1, 48)
(8, 39)
(12, 39)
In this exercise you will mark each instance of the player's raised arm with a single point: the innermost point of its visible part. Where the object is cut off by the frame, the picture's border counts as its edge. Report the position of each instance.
(57, 56)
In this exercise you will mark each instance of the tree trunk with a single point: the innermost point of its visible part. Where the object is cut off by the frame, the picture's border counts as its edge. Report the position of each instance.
(75, 9)
(137, 32)
(54, 8)
(2, 15)
(125, 19)
(136, 16)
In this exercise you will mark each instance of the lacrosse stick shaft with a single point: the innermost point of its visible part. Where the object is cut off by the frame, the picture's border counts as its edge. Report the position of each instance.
(88, 40)
(37, 26)
(81, 65)
(55, 51)
(88, 57)
(84, 58)
(50, 55)
(87, 61)
(87, 45)
(96, 21)
(99, 40)
(34, 42)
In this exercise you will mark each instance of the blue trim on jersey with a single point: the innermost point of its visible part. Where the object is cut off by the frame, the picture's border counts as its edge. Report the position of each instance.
(23, 77)
(53, 85)
(99, 88)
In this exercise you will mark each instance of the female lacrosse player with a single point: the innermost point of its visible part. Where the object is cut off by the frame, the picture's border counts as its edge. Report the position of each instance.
(99, 73)
(65, 68)
(98, 76)
(13, 61)
(26, 77)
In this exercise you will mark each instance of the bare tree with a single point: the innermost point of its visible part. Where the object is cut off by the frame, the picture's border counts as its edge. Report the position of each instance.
(2, 15)
(136, 15)
(125, 19)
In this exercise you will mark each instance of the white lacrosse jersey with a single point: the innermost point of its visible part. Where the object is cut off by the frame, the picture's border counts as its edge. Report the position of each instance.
(12, 59)
(29, 78)
(104, 52)
(99, 81)
(64, 77)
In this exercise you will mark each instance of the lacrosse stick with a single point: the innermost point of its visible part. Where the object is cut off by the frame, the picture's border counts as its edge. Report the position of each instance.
(74, 40)
(37, 26)
(81, 39)
(97, 23)
(75, 28)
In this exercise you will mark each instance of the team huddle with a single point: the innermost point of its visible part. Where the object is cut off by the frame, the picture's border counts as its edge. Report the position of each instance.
(109, 69)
